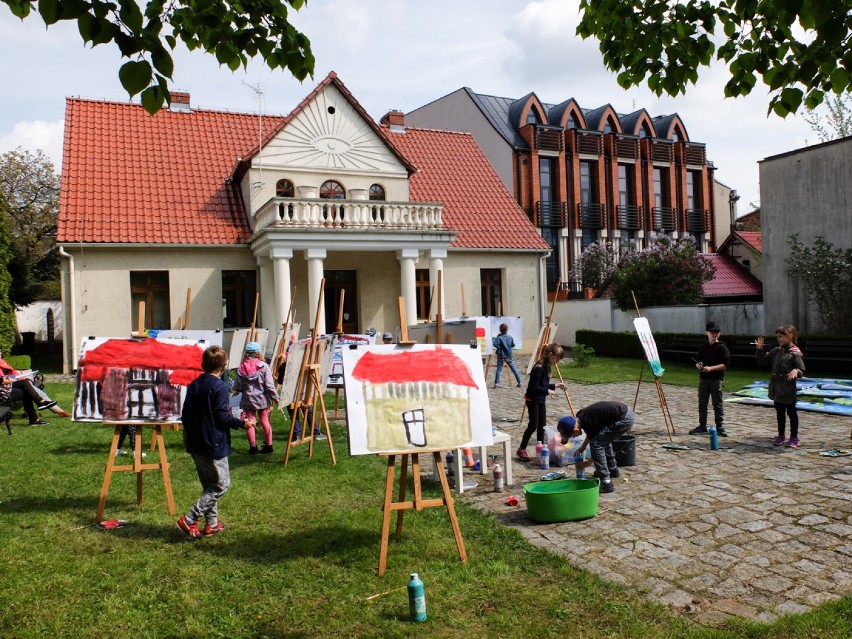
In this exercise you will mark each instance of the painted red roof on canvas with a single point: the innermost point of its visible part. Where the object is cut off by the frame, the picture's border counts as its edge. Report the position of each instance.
(149, 354)
(439, 366)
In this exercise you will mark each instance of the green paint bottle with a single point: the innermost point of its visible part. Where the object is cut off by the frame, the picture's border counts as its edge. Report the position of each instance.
(416, 599)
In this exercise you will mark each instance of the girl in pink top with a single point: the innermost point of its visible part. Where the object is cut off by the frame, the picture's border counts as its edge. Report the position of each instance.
(255, 382)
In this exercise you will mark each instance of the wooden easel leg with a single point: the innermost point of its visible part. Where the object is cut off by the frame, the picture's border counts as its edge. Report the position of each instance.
(324, 416)
(108, 473)
(667, 418)
(386, 514)
(451, 507)
(403, 486)
(137, 463)
(164, 467)
(636, 396)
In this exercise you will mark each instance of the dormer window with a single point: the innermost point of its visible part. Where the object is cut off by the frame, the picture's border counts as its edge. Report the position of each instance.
(644, 132)
(284, 188)
(570, 123)
(377, 192)
(533, 117)
(608, 127)
(332, 190)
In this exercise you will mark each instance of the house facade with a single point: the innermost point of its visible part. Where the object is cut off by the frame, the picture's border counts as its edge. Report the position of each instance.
(807, 192)
(206, 219)
(586, 175)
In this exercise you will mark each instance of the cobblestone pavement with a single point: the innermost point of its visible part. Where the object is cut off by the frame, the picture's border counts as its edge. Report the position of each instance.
(751, 529)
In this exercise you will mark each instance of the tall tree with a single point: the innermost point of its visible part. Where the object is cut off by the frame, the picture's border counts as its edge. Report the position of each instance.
(29, 193)
(232, 30)
(833, 120)
(800, 48)
(7, 315)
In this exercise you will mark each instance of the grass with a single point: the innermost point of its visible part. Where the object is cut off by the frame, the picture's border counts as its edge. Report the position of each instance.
(299, 557)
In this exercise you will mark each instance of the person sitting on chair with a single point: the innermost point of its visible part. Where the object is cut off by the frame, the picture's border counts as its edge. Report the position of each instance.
(23, 390)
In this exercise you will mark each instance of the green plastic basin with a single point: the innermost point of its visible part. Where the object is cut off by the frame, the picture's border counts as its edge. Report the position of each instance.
(562, 500)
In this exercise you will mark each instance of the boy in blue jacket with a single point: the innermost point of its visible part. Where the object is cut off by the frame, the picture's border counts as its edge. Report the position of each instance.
(207, 423)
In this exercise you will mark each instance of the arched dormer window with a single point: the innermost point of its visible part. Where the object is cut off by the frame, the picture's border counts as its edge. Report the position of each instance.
(533, 117)
(284, 188)
(332, 190)
(645, 131)
(377, 192)
(570, 123)
(609, 127)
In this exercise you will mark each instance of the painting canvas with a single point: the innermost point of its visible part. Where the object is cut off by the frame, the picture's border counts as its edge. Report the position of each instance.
(335, 375)
(237, 346)
(213, 336)
(454, 332)
(643, 329)
(538, 343)
(296, 359)
(515, 325)
(407, 399)
(482, 331)
(135, 380)
(281, 351)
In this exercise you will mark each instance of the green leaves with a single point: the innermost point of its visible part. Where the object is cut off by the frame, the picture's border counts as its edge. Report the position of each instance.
(826, 274)
(232, 31)
(664, 43)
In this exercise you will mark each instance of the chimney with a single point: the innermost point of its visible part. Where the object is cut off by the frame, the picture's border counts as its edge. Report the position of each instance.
(180, 101)
(395, 120)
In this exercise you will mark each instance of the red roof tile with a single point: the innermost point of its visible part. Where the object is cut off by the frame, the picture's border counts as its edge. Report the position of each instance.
(730, 278)
(754, 238)
(131, 177)
(452, 169)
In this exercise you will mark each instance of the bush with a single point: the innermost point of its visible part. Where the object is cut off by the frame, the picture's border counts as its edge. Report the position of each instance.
(612, 344)
(582, 355)
(666, 273)
(19, 362)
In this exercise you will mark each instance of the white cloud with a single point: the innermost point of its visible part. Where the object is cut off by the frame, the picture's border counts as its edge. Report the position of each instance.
(34, 135)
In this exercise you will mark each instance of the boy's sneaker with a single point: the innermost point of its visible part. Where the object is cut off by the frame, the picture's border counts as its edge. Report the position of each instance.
(119, 451)
(698, 430)
(212, 530)
(792, 443)
(607, 487)
(777, 441)
(253, 450)
(318, 437)
(614, 473)
(266, 450)
(721, 432)
(190, 528)
(523, 455)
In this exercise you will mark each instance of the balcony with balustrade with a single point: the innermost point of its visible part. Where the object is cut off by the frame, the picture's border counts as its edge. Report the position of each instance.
(664, 218)
(629, 217)
(549, 138)
(590, 216)
(367, 215)
(552, 214)
(697, 220)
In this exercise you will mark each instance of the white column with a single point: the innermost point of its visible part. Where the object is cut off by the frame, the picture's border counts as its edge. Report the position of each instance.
(267, 295)
(408, 282)
(436, 263)
(283, 296)
(315, 259)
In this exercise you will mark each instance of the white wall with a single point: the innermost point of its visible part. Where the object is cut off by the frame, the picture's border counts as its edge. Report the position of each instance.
(33, 319)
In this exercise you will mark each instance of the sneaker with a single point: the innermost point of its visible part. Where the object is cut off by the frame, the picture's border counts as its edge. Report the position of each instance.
(777, 441)
(190, 528)
(523, 455)
(607, 487)
(495, 385)
(296, 437)
(793, 442)
(519, 385)
(319, 437)
(614, 473)
(38, 422)
(46, 404)
(266, 450)
(119, 451)
(721, 432)
(212, 530)
(699, 430)
(253, 450)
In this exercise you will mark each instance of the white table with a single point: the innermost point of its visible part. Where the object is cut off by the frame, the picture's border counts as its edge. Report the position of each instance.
(499, 438)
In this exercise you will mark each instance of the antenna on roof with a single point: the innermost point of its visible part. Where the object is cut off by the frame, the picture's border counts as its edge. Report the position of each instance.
(259, 93)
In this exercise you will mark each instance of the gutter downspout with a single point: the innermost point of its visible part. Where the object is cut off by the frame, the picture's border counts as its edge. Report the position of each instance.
(69, 325)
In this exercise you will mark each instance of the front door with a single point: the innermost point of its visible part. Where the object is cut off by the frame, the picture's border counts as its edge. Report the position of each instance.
(335, 282)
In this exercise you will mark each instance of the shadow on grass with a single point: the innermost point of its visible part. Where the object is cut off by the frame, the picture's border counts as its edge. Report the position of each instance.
(48, 504)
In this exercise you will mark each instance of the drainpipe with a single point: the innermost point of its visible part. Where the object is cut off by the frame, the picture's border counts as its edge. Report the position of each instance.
(69, 325)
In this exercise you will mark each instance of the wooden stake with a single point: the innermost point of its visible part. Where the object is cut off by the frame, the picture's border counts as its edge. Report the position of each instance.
(188, 306)
(339, 329)
(439, 317)
(464, 308)
(404, 340)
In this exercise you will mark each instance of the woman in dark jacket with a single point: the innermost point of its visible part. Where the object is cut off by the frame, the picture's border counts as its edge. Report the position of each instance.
(787, 367)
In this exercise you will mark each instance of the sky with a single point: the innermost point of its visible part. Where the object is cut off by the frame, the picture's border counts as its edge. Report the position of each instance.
(395, 54)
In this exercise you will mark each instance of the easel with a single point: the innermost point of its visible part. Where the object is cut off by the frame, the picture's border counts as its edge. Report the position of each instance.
(418, 503)
(278, 355)
(138, 467)
(404, 339)
(664, 407)
(309, 393)
(184, 325)
(464, 308)
(546, 336)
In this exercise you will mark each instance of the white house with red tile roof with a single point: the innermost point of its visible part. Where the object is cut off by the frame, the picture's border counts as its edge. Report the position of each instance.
(227, 205)
(746, 247)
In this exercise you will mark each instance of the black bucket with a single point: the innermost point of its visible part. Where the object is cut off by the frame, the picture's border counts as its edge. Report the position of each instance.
(625, 450)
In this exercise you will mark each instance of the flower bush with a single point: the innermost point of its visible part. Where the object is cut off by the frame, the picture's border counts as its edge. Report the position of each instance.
(597, 264)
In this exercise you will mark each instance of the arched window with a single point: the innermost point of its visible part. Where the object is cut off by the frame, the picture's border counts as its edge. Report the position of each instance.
(332, 190)
(570, 123)
(677, 134)
(284, 188)
(377, 192)
(608, 127)
(644, 132)
(532, 116)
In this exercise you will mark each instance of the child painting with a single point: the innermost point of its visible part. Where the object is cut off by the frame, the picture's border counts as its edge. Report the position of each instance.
(255, 382)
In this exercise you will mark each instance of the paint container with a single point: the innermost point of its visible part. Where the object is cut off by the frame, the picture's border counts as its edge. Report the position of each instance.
(538, 448)
(467, 457)
(451, 470)
(714, 439)
(545, 459)
(578, 459)
(498, 478)
(416, 599)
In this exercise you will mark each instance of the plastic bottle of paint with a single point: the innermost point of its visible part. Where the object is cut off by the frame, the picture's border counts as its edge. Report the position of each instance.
(498, 478)
(714, 439)
(451, 471)
(581, 472)
(538, 448)
(416, 599)
(467, 457)
(545, 458)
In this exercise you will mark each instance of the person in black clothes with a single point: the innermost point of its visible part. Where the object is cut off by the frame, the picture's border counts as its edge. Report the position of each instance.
(713, 359)
(603, 423)
(538, 390)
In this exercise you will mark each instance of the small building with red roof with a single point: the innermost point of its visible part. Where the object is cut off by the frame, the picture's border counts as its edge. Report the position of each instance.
(746, 247)
(236, 207)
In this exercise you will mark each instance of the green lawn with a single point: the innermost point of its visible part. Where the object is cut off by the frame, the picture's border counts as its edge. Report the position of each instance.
(298, 559)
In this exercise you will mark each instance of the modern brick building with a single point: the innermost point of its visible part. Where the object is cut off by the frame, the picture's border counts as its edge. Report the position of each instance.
(584, 175)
